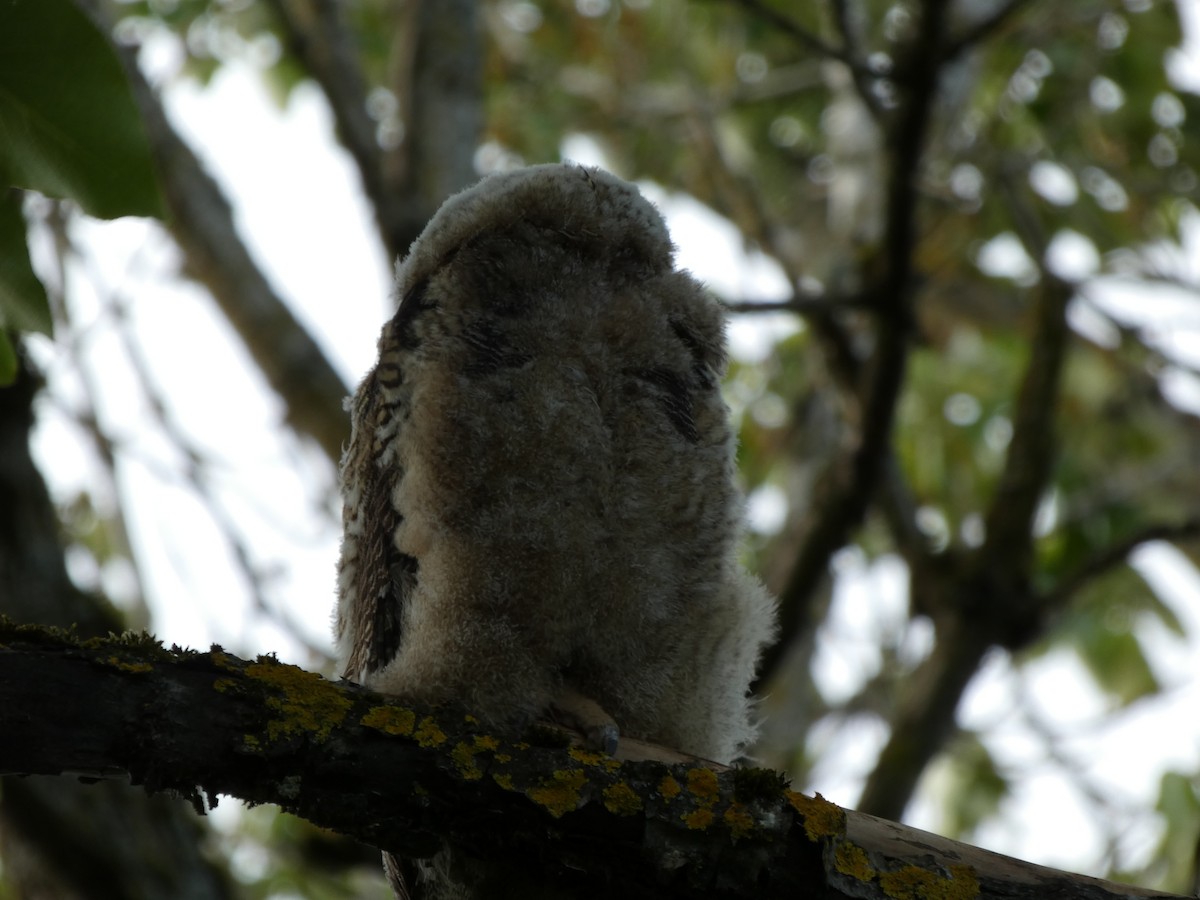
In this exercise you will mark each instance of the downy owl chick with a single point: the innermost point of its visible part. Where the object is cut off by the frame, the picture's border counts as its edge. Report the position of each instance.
(539, 486)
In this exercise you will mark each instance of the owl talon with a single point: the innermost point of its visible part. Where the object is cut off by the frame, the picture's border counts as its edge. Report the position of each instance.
(604, 738)
(600, 732)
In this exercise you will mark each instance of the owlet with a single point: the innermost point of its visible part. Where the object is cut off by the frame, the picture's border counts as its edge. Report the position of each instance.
(539, 486)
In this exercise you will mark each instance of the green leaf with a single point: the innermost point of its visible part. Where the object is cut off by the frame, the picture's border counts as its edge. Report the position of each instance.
(975, 786)
(1179, 805)
(23, 303)
(8, 360)
(68, 123)
(1116, 660)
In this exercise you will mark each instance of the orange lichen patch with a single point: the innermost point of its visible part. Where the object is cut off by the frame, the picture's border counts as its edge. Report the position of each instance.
(622, 800)
(915, 883)
(391, 720)
(560, 794)
(703, 784)
(669, 788)
(821, 818)
(307, 704)
(504, 780)
(698, 820)
(852, 860)
(739, 822)
(428, 734)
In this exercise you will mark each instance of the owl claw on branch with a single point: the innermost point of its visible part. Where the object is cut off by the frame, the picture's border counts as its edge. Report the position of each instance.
(585, 715)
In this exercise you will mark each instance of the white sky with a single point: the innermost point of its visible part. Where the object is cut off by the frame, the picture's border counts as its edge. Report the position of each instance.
(300, 209)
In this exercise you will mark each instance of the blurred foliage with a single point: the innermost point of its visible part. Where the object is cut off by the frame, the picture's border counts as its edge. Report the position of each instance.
(1175, 860)
(973, 785)
(70, 127)
(1060, 126)
(276, 855)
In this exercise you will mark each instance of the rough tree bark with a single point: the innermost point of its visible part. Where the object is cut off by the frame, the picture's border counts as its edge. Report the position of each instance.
(404, 778)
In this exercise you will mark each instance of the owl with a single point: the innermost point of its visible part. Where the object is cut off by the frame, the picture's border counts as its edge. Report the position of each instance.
(540, 509)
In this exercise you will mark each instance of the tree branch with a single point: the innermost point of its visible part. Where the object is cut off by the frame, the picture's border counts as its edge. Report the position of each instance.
(803, 305)
(850, 490)
(982, 598)
(403, 778)
(1032, 449)
(202, 223)
(925, 715)
(440, 87)
(808, 40)
(983, 29)
(1114, 555)
(863, 83)
(320, 40)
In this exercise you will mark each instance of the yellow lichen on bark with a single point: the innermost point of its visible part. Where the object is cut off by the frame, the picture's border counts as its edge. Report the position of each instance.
(915, 883)
(391, 720)
(703, 784)
(669, 788)
(739, 822)
(464, 754)
(428, 734)
(822, 819)
(907, 882)
(560, 794)
(622, 800)
(850, 859)
(594, 758)
(308, 704)
(137, 668)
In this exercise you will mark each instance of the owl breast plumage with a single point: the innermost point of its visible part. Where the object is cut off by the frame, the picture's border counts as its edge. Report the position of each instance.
(539, 487)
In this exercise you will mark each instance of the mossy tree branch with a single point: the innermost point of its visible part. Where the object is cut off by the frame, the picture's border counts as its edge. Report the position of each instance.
(405, 778)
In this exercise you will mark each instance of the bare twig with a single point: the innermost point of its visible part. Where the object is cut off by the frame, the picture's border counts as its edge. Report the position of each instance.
(102, 442)
(322, 42)
(864, 84)
(1114, 555)
(197, 472)
(810, 305)
(807, 39)
(983, 29)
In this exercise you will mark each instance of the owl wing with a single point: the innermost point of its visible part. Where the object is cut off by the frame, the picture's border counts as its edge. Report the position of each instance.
(376, 579)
